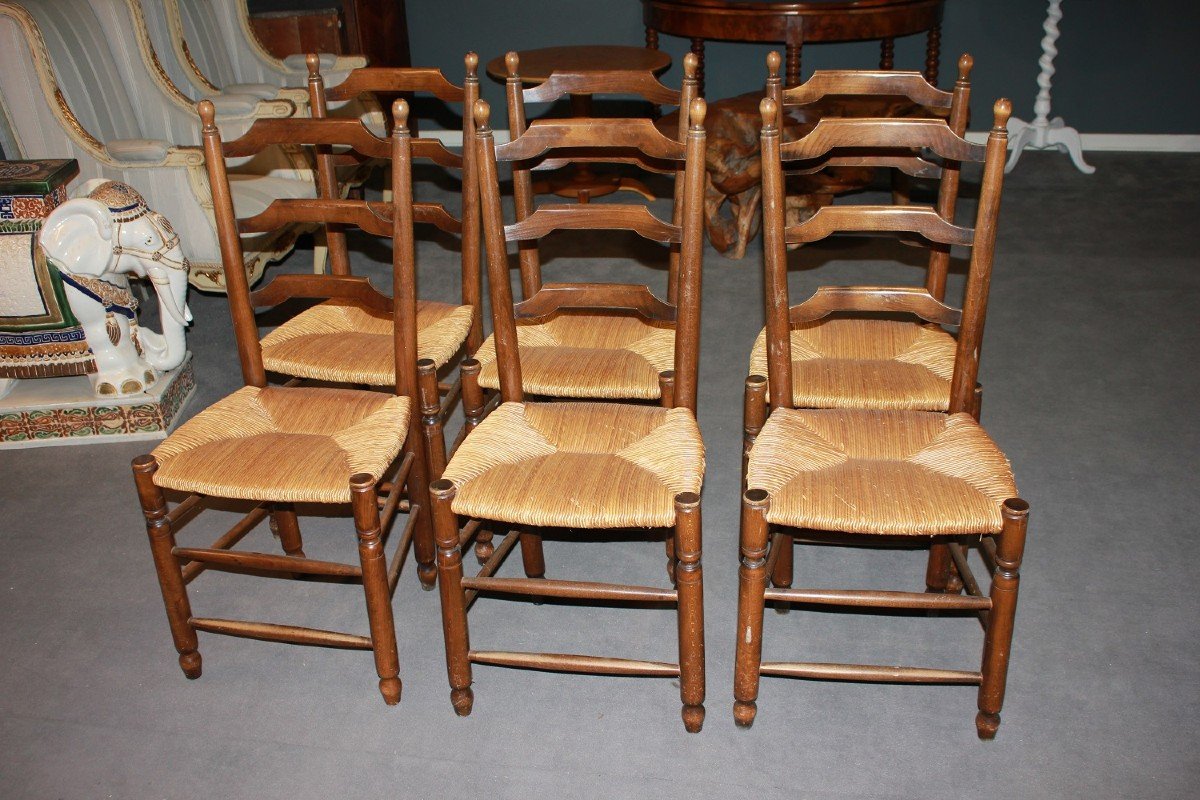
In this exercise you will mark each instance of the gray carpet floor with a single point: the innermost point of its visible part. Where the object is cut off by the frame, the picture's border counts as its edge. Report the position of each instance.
(1089, 369)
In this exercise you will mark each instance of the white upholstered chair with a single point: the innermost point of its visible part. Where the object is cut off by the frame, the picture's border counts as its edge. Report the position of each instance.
(65, 95)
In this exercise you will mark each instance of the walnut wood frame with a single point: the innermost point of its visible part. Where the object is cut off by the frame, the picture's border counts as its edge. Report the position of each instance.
(459, 592)
(375, 499)
(766, 557)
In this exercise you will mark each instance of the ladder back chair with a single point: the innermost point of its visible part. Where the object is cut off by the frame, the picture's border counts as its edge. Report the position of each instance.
(581, 465)
(861, 361)
(343, 341)
(590, 354)
(880, 477)
(281, 445)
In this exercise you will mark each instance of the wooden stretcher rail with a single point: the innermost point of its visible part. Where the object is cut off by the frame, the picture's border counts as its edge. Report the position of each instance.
(271, 632)
(567, 662)
(266, 561)
(400, 554)
(582, 590)
(229, 539)
(880, 599)
(493, 563)
(868, 673)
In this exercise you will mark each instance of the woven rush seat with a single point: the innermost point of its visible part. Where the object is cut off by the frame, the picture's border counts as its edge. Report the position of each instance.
(867, 363)
(883, 472)
(603, 356)
(284, 444)
(346, 342)
(578, 465)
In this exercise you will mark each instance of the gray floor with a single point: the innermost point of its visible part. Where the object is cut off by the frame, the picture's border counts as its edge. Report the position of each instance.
(1091, 385)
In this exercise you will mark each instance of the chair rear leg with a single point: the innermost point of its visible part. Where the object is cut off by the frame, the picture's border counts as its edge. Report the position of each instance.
(454, 601)
(170, 575)
(375, 586)
(690, 588)
(997, 643)
(781, 576)
(752, 585)
(474, 402)
(285, 525)
(418, 492)
(431, 417)
(666, 396)
(937, 568)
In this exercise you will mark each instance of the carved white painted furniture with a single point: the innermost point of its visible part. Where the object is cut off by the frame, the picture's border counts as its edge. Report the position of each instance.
(64, 96)
(1045, 133)
(227, 53)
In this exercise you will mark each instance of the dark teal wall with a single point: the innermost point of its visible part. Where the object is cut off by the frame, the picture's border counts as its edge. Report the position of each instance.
(1124, 66)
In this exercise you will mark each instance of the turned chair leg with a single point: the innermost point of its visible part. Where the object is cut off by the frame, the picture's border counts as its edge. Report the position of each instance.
(997, 643)
(431, 417)
(170, 574)
(690, 588)
(375, 586)
(454, 601)
(532, 557)
(666, 395)
(474, 402)
(418, 490)
(937, 568)
(285, 525)
(781, 576)
(752, 585)
(754, 416)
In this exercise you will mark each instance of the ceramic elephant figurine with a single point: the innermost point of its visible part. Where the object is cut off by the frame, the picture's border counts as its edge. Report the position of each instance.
(92, 245)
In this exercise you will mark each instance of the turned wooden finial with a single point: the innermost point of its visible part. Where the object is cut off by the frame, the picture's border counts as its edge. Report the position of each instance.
(471, 59)
(698, 110)
(691, 63)
(965, 63)
(482, 112)
(314, 65)
(513, 62)
(768, 108)
(773, 63)
(1002, 111)
(400, 115)
(208, 115)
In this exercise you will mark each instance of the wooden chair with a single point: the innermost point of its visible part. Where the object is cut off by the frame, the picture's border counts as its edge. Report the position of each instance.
(347, 342)
(592, 354)
(880, 477)
(908, 364)
(277, 446)
(581, 465)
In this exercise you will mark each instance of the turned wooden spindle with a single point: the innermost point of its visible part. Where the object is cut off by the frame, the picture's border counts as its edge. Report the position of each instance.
(170, 577)
(454, 611)
(997, 645)
(752, 585)
(375, 585)
(431, 417)
(689, 581)
(933, 54)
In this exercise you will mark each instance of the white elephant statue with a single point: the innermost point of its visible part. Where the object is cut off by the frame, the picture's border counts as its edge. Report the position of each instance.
(95, 243)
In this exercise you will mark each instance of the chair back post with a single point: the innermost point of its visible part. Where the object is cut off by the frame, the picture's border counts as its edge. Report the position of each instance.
(527, 252)
(691, 258)
(939, 255)
(774, 85)
(779, 345)
(335, 237)
(404, 274)
(472, 283)
(245, 328)
(504, 323)
(979, 275)
(688, 92)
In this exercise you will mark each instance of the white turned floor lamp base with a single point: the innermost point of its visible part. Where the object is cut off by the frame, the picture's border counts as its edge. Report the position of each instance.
(1045, 136)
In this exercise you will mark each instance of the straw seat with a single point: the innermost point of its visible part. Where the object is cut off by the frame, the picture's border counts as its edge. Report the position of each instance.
(578, 465)
(867, 363)
(284, 444)
(885, 472)
(601, 356)
(346, 342)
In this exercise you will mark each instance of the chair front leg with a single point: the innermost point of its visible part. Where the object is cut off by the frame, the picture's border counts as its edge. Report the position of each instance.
(454, 601)
(170, 574)
(363, 499)
(690, 588)
(997, 643)
(752, 585)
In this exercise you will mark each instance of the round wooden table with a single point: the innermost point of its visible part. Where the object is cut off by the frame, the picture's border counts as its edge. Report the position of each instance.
(798, 23)
(536, 66)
